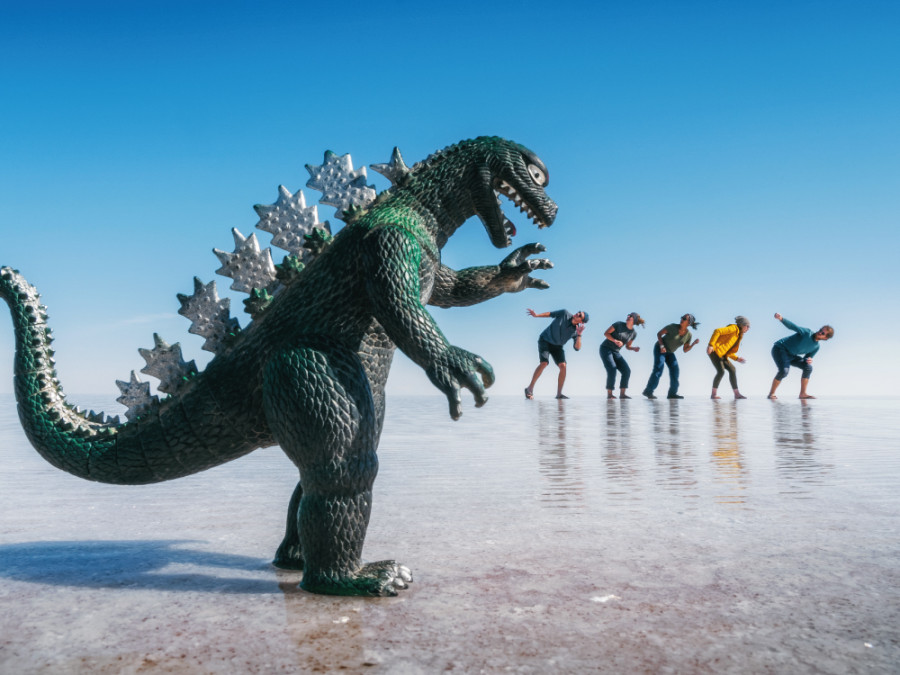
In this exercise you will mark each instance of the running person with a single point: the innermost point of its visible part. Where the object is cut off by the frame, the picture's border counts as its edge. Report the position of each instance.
(620, 334)
(797, 350)
(722, 350)
(668, 341)
(564, 327)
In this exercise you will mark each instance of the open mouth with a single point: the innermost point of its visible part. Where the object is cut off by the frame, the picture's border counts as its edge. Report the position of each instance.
(508, 191)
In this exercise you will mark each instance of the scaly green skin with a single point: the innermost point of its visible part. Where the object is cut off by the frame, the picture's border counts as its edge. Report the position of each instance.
(309, 373)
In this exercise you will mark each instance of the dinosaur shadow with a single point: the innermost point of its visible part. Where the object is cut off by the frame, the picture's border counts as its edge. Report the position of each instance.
(139, 565)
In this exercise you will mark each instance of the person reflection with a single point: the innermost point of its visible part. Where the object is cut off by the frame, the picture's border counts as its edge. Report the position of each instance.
(797, 446)
(618, 457)
(728, 456)
(676, 470)
(559, 462)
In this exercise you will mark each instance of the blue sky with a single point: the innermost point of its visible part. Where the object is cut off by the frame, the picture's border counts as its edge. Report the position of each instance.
(718, 158)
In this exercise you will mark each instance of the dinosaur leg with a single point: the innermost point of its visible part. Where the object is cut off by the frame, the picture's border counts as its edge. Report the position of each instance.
(322, 413)
(289, 555)
(376, 353)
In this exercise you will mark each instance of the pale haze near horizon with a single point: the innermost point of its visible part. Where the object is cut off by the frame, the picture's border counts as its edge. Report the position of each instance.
(706, 158)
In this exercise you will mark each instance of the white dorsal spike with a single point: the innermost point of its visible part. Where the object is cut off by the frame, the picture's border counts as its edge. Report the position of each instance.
(165, 362)
(210, 317)
(340, 185)
(135, 396)
(394, 170)
(248, 266)
(289, 219)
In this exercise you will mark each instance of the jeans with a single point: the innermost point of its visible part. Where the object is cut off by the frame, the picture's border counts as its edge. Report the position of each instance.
(660, 360)
(721, 364)
(612, 361)
(784, 360)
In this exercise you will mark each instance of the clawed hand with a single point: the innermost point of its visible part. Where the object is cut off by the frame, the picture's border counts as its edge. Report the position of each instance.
(515, 269)
(457, 369)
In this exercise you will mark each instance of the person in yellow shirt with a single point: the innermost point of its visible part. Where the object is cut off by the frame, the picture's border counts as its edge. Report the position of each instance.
(722, 350)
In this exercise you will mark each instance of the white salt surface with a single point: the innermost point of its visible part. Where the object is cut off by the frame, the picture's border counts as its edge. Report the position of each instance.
(544, 536)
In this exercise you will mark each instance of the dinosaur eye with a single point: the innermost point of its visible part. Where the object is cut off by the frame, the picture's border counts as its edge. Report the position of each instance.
(537, 175)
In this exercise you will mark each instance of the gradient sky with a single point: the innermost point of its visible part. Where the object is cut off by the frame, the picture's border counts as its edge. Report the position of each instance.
(707, 157)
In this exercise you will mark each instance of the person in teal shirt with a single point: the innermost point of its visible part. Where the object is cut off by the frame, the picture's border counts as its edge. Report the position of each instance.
(797, 350)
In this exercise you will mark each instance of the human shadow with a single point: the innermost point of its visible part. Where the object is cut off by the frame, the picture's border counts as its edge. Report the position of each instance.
(163, 565)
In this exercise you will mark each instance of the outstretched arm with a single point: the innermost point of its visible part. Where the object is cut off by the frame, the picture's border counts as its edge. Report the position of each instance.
(392, 258)
(788, 324)
(472, 285)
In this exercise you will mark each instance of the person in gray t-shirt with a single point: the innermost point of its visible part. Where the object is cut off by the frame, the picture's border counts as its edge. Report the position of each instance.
(564, 327)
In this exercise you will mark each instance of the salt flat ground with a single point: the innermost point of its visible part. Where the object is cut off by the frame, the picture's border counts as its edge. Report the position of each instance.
(545, 536)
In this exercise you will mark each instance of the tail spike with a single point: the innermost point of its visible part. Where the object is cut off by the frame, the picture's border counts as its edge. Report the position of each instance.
(165, 362)
(135, 396)
(210, 317)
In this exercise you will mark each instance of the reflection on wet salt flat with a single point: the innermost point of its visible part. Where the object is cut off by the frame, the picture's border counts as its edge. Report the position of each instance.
(705, 536)
(560, 458)
(798, 447)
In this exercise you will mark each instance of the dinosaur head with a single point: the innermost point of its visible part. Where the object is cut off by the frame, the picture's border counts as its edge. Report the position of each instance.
(468, 178)
(516, 173)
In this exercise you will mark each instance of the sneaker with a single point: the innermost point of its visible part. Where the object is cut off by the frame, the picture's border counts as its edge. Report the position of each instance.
(674, 396)
(561, 396)
(528, 393)
(648, 394)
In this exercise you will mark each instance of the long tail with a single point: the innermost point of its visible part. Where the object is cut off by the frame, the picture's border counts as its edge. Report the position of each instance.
(170, 440)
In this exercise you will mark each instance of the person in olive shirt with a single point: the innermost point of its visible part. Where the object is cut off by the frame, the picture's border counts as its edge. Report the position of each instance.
(797, 350)
(668, 341)
(564, 327)
(620, 334)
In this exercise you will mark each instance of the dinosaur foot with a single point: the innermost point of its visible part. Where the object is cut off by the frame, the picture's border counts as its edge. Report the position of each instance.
(288, 558)
(383, 578)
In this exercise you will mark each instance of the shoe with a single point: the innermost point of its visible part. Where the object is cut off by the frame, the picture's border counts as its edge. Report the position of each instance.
(648, 394)
(528, 394)
(562, 396)
(674, 396)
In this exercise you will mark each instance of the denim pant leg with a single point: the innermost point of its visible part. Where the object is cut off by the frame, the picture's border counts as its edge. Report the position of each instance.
(659, 363)
(609, 362)
(806, 368)
(782, 361)
(674, 371)
(625, 369)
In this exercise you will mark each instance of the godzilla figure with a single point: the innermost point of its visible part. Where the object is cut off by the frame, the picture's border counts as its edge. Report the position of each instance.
(308, 372)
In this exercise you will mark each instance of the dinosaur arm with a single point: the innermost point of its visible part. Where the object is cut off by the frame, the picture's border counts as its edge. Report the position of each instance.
(472, 285)
(392, 259)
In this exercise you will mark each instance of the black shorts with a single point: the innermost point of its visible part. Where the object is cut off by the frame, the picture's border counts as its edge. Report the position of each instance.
(546, 350)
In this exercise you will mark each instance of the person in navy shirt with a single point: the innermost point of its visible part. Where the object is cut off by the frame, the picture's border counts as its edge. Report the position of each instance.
(797, 350)
(564, 327)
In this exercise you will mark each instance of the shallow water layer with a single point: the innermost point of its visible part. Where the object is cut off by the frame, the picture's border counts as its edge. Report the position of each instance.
(616, 536)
